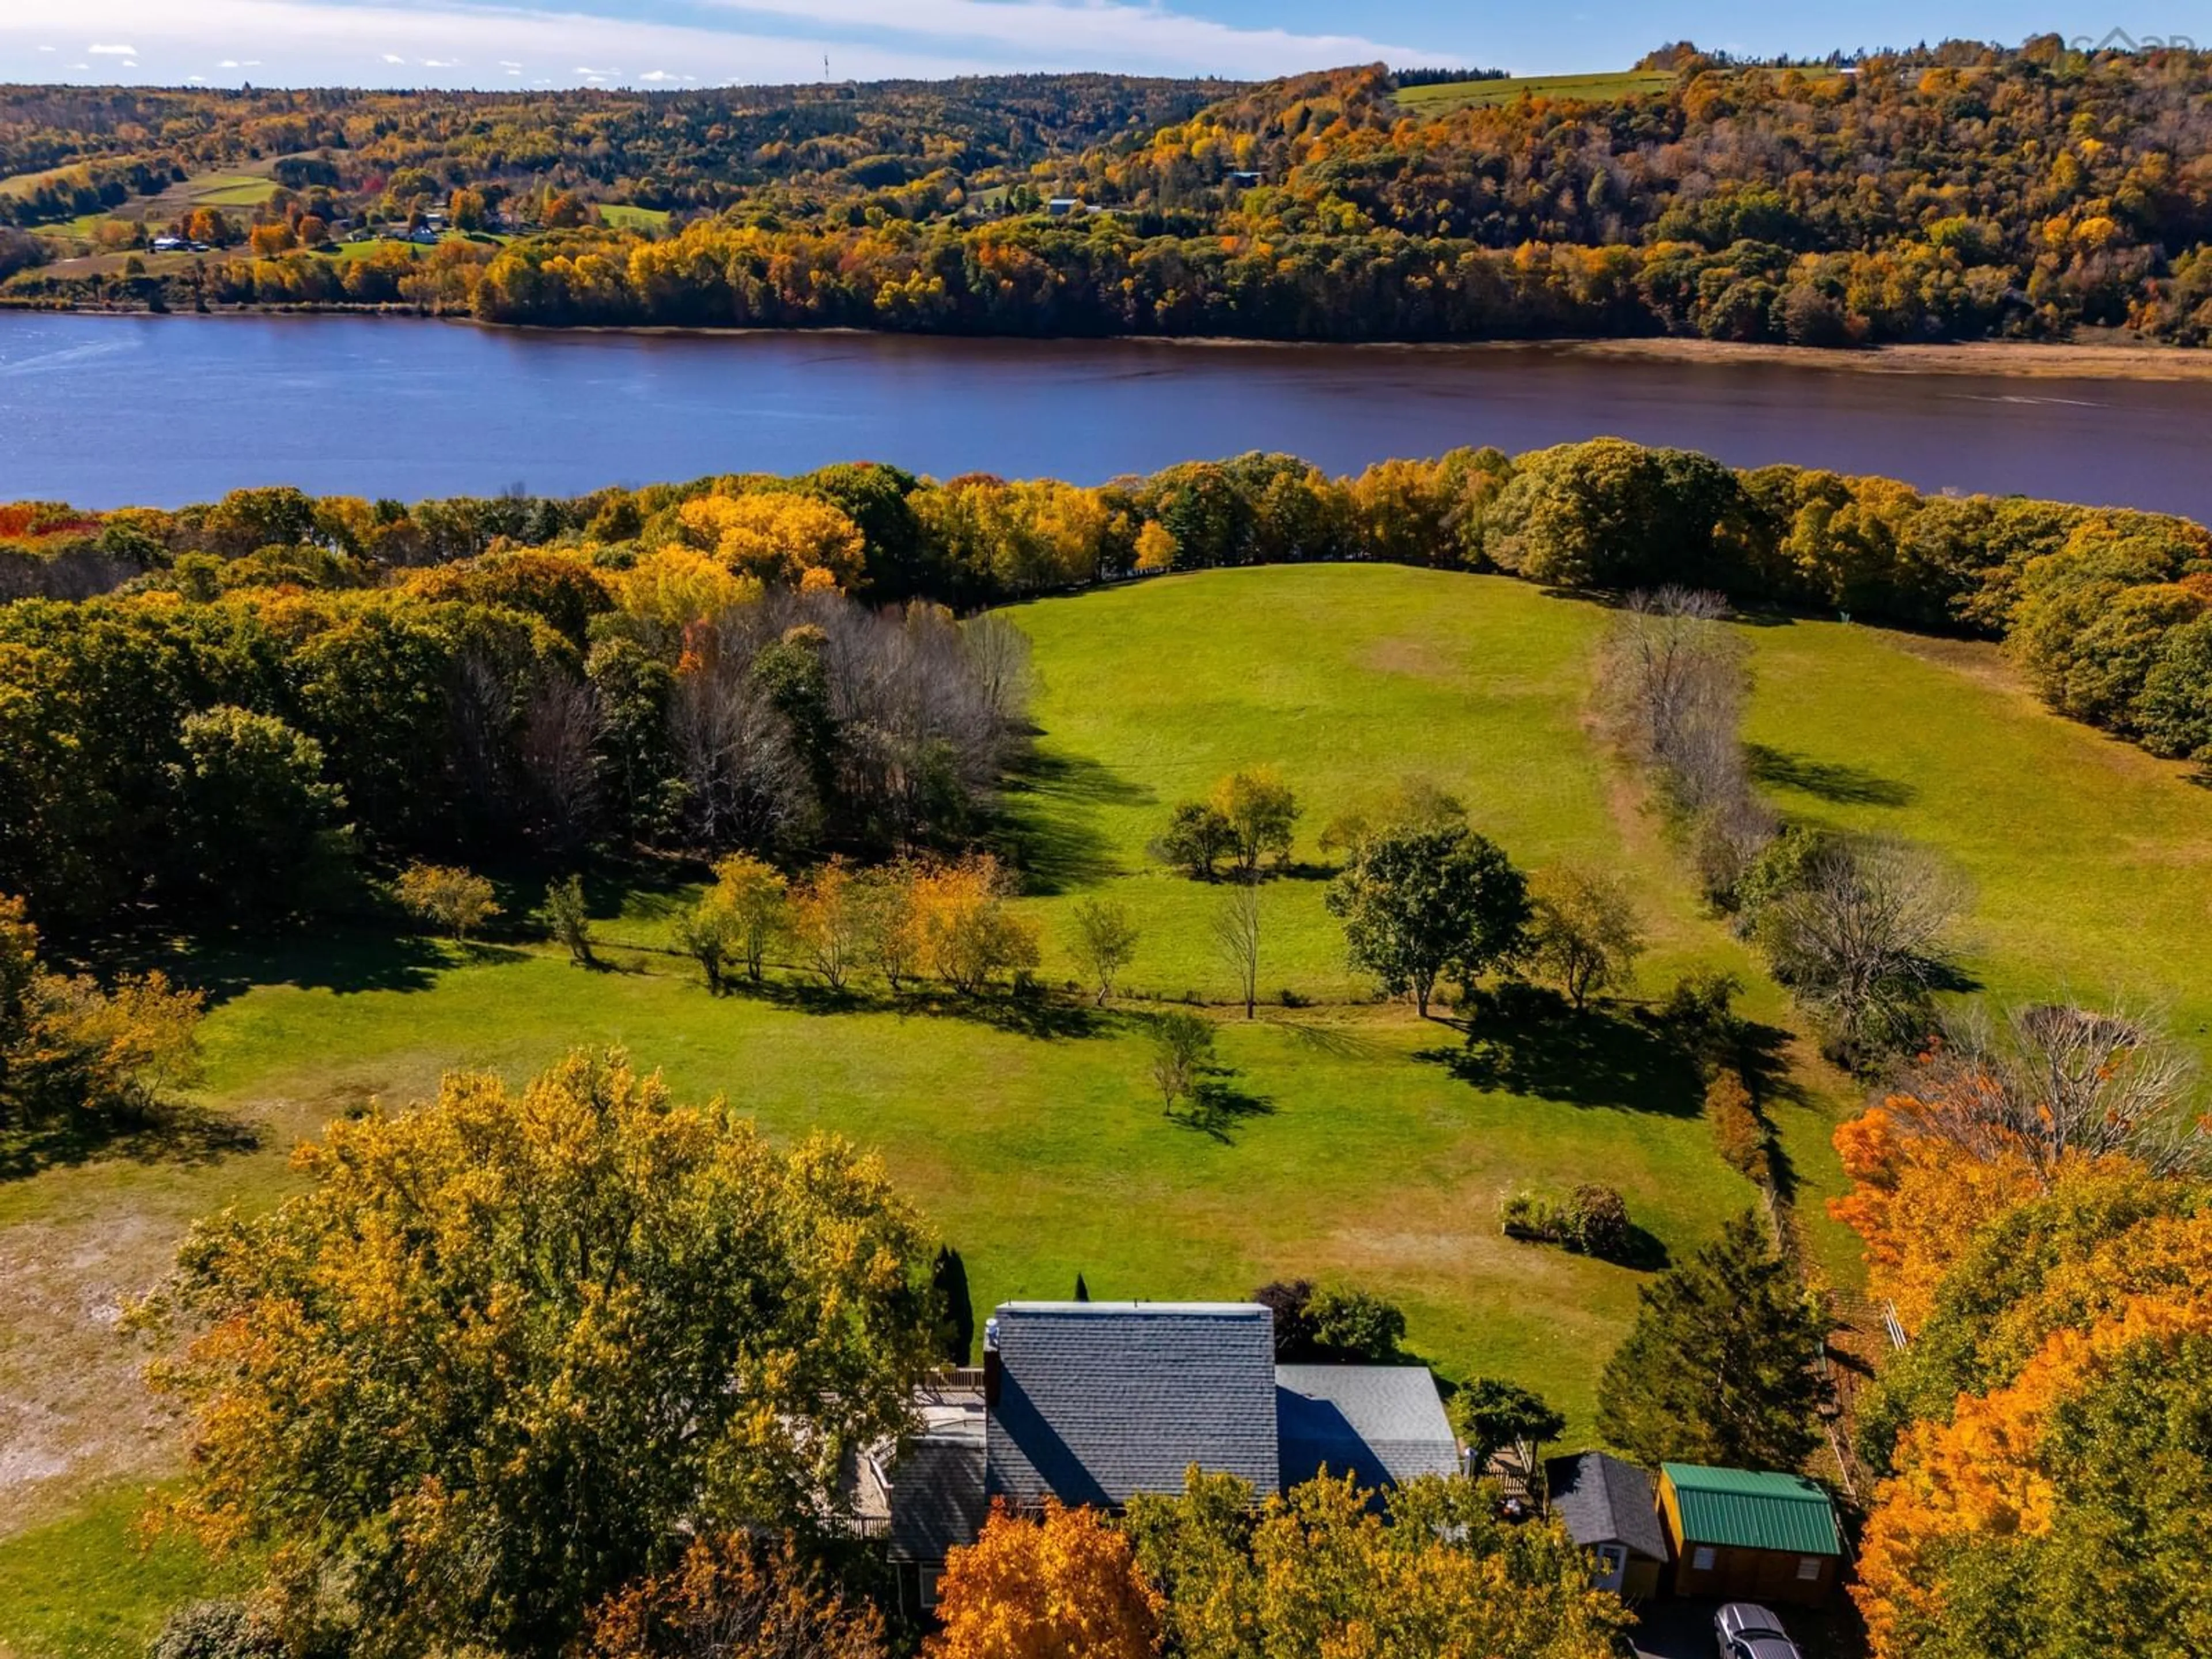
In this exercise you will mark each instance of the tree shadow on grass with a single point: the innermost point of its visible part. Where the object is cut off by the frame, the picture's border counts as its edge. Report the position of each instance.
(345, 960)
(1524, 1041)
(1046, 827)
(1217, 1104)
(1040, 1015)
(165, 1134)
(1333, 1040)
(1830, 780)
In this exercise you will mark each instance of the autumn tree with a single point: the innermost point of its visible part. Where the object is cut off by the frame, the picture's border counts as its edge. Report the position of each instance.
(737, 1597)
(1105, 939)
(505, 1350)
(1260, 810)
(708, 934)
(756, 898)
(827, 923)
(1584, 931)
(2057, 1514)
(1066, 1583)
(1326, 1570)
(775, 535)
(1198, 836)
(69, 1047)
(882, 899)
(455, 901)
(1719, 1365)
(1182, 1045)
(963, 927)
(1420, 904)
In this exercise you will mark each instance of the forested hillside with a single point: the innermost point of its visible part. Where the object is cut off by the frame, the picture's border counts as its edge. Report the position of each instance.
(1959, 192)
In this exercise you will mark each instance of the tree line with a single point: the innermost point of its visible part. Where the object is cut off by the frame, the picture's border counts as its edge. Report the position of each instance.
(1964, 191)
(226, 703)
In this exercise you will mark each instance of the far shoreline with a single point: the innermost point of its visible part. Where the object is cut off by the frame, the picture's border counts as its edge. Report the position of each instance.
(2024, 360)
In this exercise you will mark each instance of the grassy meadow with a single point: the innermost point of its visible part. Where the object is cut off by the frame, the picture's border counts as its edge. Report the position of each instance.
(1448, 95)
(1349, 1141)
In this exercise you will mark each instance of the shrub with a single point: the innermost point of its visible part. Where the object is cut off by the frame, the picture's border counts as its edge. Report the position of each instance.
(1593, 1221)
(216, 1630)
(1528, 1215)
(1737, 1130)
(1353, 1325)
(1597, 1222)
(1699, 1015)
(569, 919)
(446, 897)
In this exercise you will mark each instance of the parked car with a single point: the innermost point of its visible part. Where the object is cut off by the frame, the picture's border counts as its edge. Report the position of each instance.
(1744, 1630)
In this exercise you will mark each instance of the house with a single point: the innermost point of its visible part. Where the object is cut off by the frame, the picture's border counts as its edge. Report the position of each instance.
(168, 244)
(1061, 206)
(1611, 1508)
(1740, 1535)
(1096, 1403)
(1243, 180)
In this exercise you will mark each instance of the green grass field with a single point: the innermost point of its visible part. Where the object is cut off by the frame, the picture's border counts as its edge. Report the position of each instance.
(624, 216)
(1446, 96)
(1355, 1143)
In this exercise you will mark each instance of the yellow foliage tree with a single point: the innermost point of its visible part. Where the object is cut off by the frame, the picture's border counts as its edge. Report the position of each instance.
(961, 926)
(775, 537)
(676, 586)
(1055, 1588)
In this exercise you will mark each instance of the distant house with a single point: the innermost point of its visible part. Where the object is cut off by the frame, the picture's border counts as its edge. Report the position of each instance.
(168, 244)
(1096, 1403)
(1737, 1534)
(1061, 206)
(1244, 181)
(1611, 1508)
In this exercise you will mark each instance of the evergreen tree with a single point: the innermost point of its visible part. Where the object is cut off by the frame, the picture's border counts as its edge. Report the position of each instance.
(1718, 1368)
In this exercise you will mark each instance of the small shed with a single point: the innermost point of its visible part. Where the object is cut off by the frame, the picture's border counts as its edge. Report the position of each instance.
(1749, 1535)
(1611, 1509)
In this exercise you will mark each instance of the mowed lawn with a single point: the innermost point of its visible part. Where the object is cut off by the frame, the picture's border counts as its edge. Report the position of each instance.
(1358, 1144)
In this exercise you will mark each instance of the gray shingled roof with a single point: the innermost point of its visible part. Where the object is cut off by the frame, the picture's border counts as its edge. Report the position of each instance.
(1602, 1500)
(1382, 1424)
(937, 1501)
(1101, 1401)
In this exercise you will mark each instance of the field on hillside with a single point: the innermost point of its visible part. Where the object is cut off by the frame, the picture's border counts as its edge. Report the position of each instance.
(1349, 1141)
(1446, 96)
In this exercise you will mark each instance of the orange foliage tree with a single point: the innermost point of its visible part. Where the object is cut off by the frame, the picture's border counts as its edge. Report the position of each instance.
(1956, 1528)
(735, 1598)
(1065, 1585)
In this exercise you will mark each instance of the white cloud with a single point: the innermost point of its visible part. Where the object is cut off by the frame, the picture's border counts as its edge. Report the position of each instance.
(600, 74)
(48, 48)
(658, 75)
(112, 52)
(321, 42)
(195, 81)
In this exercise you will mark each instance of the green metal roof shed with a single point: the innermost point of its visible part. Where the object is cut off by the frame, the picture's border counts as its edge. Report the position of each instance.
(1745, 1509)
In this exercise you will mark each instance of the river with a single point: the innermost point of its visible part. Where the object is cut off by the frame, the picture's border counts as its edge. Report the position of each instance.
(107, 410)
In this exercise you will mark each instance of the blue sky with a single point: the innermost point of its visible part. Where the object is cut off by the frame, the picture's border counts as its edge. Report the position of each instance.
(706, 42)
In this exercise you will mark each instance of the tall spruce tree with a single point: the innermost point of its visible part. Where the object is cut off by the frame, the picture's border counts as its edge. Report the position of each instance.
(1719, 1366)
